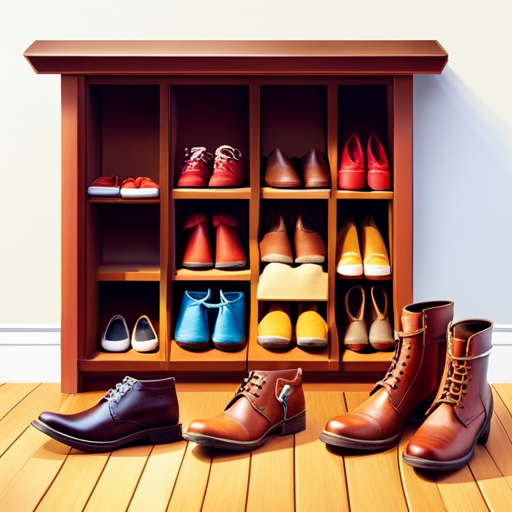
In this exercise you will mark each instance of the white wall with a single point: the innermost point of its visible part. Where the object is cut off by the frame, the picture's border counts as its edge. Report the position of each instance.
(462, 148)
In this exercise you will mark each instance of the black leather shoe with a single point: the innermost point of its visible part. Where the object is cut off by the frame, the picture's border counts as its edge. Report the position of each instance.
(133, 412)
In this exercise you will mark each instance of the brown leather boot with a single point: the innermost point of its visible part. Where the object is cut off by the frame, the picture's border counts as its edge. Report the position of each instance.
(460, 416)
(412, 379)
(266, 403)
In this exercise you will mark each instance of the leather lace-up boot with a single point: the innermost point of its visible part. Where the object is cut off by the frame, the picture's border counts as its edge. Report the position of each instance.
(412, 379)
(460, 416)
(266, 403)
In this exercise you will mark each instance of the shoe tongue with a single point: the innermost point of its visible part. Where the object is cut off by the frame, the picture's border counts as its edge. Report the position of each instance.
(411, 321)
(459, 347)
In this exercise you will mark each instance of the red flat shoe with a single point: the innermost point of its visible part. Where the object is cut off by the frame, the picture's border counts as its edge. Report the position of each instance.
(379, 177)
(139, 188)
(105, 186)
(351, 173)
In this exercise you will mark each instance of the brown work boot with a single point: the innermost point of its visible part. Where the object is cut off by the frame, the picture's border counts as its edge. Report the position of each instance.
(412, 380)
(266, 403)
(460, 416)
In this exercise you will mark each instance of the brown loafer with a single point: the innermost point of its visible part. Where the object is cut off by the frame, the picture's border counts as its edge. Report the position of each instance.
(280, 172)
(315, 172)
(275, 246)
(266, 403)
(309, 246)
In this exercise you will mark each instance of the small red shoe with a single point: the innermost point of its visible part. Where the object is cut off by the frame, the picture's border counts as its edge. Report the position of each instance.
(229, 252)
(379, 177)
(139, 188)
(351, 173)
(197, 253)
(227, 168)
(106, 186)
(198, 168)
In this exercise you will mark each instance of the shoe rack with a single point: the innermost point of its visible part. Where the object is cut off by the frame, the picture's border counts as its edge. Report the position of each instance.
(130, 108)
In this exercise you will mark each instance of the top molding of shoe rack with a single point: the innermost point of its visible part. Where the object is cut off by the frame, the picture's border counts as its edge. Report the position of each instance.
(237, 57)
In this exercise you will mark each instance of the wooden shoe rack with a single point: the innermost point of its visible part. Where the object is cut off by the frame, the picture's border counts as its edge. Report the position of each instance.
(130, 108)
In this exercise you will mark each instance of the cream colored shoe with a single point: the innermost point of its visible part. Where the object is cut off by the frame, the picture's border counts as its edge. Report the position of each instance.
(356, 333)
(311, 329)
(381, 335)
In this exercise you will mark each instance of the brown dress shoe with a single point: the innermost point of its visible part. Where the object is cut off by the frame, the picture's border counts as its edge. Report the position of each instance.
(460, 416)
(135, 411)
(266, 403)
(411, 381)
(280, 172)
(315, 172)
(309, 246)
(275, 246)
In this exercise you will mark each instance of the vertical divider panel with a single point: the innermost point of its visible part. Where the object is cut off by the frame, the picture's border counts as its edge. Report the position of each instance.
(166, 221)
(254, 204)
(402, 197)
(332, 155)
(73, 223)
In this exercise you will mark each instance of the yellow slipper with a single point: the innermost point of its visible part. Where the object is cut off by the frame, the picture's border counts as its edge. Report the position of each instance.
(275, 329)
(311, 329)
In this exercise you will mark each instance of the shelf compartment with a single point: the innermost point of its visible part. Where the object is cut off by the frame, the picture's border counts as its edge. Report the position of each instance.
(293, 193)
(368, 362)
(130, 361)
(366, 194)
(211, 359)
(128, 273)
(184, 274)
(212, 193)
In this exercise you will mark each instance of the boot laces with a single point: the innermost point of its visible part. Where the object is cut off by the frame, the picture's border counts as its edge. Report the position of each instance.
(456, 383)
(194, 156)
(115, 394)
(226, 153)
(250, 385)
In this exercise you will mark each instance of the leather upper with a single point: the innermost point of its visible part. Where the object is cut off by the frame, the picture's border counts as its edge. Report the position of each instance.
(309, 246)
(315, 172)
(280, 172)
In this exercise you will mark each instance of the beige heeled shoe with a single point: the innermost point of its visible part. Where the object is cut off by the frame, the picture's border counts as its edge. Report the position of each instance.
(381, 335)
(356, 333)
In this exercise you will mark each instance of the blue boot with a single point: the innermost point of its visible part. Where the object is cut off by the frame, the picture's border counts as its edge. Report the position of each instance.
(229, 331)
(192, 323)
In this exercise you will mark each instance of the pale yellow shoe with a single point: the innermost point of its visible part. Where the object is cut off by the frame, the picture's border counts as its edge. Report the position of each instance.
(381, 335)
(275, 329)
(356, 333)
(349, 264)
(375, 254)
(311, 329)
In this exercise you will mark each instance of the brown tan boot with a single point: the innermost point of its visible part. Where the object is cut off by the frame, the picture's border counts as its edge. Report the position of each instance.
(460, 416)
(412, 380)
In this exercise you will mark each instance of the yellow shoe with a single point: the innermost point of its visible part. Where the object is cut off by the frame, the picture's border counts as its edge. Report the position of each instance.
(275, 329)
(375, 254)
(348, 255)
(311, 329)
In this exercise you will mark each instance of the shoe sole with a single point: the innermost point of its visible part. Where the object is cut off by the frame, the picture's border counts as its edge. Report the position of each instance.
(230, 264)
(310, 259)
(311, 342)
(103, 191)
(229, 346)
(141, 193)
(160, 435)
(194, 265)
(277, 258)
(293, 425)
(192, 345)
(360, 444)
(273, 341)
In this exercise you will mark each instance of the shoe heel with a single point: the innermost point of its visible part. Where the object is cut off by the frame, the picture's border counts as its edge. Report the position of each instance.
(165, 435)
(295, 424)
(486, 429)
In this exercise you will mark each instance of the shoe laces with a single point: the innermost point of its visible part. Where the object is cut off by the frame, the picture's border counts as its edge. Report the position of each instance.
(251, 384)
(195, 155)
(115, 394)
(224, 154)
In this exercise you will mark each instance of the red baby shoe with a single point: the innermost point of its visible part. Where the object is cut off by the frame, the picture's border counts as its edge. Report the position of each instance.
(139, 188)
(106, 186)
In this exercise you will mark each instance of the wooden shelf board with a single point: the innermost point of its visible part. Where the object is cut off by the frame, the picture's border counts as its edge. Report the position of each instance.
(184, 274)
(123, 361)
(128, 273)
(207, 360)
(365, 194)
(365, 362)
(263, 358)
(118, 200)
(211, 193)
(294, 193)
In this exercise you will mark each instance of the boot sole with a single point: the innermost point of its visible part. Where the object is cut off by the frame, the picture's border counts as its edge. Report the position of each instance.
(359, 444)
(160, 435)
(293, 425)
(449, 465)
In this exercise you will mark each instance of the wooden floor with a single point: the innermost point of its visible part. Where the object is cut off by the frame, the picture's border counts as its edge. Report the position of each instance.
(290, 473)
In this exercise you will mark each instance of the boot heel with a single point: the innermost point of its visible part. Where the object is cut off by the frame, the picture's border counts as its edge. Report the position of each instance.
(295, 424)
(165, 435)
(486, 429)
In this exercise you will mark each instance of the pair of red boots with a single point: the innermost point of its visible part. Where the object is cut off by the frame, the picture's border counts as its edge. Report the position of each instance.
(229, 253)
(351, 175)
(202, 169)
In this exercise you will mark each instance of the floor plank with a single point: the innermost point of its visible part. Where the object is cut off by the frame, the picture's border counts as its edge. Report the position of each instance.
(313, 459)
(503, 413)
(505, 392)
(11, 394)
(46, 397)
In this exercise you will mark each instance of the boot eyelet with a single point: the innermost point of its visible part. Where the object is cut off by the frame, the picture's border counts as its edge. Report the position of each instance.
(404, 364)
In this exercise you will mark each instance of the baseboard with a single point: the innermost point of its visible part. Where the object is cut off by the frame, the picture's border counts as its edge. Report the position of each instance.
(31, 353)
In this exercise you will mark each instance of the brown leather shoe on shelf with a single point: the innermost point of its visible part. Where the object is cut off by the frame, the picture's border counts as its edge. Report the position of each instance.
(381, 335)
(460, 416)
(356, 332)
(197, 252)
(280, 172)
(410, 383)
(309, 246)
(315, 172)
(266, 403)
(228, 251)
(275, 246)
